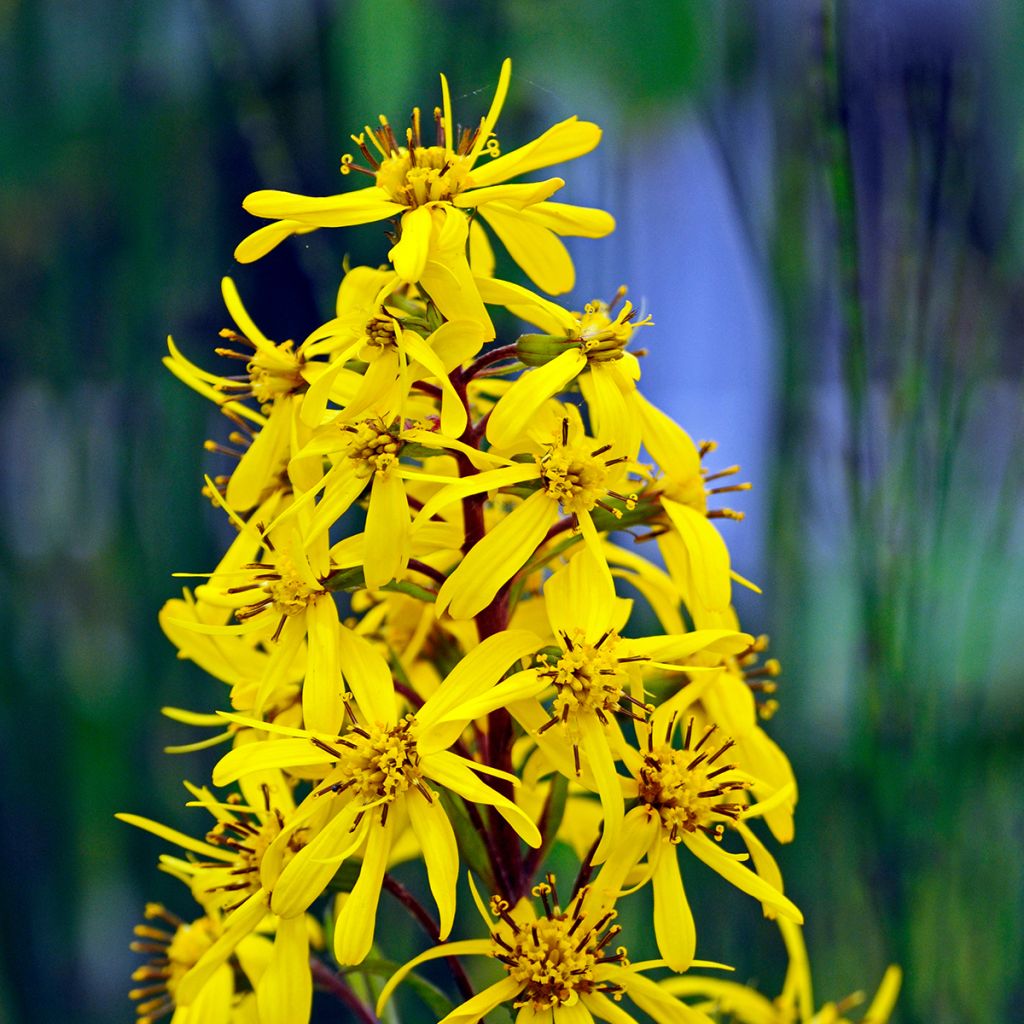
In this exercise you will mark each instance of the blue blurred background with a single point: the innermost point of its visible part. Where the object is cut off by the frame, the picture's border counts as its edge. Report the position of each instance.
(821, 205)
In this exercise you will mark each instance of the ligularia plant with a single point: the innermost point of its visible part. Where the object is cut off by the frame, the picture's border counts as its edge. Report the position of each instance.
(427, 651)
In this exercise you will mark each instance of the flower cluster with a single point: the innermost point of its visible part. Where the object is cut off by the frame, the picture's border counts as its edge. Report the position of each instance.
(421, 629)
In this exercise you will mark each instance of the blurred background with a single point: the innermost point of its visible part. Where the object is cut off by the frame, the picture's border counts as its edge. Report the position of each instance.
(821, 205)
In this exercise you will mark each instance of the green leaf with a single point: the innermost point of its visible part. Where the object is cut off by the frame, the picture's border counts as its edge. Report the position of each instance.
(439, 1003)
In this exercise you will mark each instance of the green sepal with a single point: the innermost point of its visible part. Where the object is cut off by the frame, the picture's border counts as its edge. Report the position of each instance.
(538, 349)
(352, 579)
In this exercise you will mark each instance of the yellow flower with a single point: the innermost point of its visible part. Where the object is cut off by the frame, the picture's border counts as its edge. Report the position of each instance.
(375, 775)
(174, 947)
(432, 186)
(227, 882)
(588, 346)
(694, 552)
(686, 796)
(572, 474)
(370, 452)
(389, 332)
(561, 966)
(597, 679)
(273, 378)
(795, 1004)
(276, 590)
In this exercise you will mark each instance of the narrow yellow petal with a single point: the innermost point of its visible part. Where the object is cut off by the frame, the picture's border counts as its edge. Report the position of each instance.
(322, 707)
(267, 238)
(565, 219)
(387, 530)
(436, 839)
(537, 250)
(465, 947)
(178, 838)
(885, 998)
(353, 931)
(452, 772)
(674, 929)
(473, 1010)
(285, 992)
(708, 555)
(306, 875)
(581, 595)
(491, 118)
(213, 1003)
(742, 877)
(360, 207)
(491, 480)
(497, 557)
(517, 196)
(476, 673)
(368, 677)
(242, 922)
(528, 305)
(267, 754)
(517, 409)
(409, 254)
(563, 141)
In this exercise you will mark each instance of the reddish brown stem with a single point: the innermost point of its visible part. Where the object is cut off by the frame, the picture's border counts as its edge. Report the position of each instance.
(327, 980)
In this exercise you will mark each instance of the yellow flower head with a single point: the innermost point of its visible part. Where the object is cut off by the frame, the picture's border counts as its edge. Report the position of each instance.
(431, 182)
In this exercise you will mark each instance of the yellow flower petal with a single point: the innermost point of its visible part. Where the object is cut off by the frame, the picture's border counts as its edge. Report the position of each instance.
(517, 196)
(259, 757)
(527, 305)
(563, 141)
(707, 553)
(452, 772)
(517, 409)
(674, 928)
(387, 530)
(581, 595)
(490, 480)
(565, 219)
(653, 999)
(213, 1003)
(354, 928)
(285, 992)
(409, 254)
(491, 118)
(474, 675)
(306, 875)
(436, 840)
(473, 1010)
(322, 708)
(885, 998)
(537, 250)
(481, 254)
(360, 207)
(178, 838)
(368, 677)
(497, 557)
(267, 238)
(742, 877)
(242, 922)
(465, 947)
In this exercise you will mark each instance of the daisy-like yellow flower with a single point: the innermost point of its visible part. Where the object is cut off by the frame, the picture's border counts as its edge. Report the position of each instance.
(227, 882)
(562, 966)
(375, 776)
(597, 679)
(175, 946)
(795, 1004)
(370, 452)
(686, 796)
(572, 474)
(589, 346)
(274, 584)
(431, 186)
(695, 553)
(389, 333)
(273, 378)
